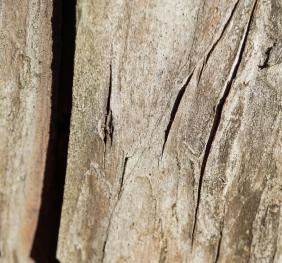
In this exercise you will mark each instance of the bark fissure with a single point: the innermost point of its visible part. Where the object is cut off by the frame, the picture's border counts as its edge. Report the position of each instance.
(107, 233)
(222, 31)
(183, 88)
(163, 245)
(114, 208)
(196, 27)
(210, 51)
(220, 238)
(218, 247)
(108, 125)
(64, 32)
(175, 109)
(201, 71)
(218, 113)
(105, 242)
(122, 176)
(266, 60)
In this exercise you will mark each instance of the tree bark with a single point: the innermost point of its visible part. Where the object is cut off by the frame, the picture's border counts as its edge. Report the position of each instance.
(175, 144)
(175, 150)
(25, 92)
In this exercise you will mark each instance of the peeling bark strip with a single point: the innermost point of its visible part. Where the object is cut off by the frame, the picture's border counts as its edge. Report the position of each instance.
(218, 112)
(175, 108)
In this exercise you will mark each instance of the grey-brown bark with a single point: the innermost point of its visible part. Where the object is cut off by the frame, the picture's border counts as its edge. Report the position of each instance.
(175, 147)
(25, 91)
(175, 150)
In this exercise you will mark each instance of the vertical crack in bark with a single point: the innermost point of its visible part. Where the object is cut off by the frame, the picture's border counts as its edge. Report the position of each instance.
(63, 34)
(163, 250)
(222, 31)
(200, 8)
(108, 126)
(201, 71)
(122, 177)
(106, 240)
(220, 237)
(210, 51)
(218, 247)
(182, 90)
(218, 112)
(267, 57)
(114, 208)
(175, 108)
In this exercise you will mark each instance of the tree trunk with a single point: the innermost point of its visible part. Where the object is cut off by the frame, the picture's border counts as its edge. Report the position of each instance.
(25, 91)
(175, 145)
(175, 151)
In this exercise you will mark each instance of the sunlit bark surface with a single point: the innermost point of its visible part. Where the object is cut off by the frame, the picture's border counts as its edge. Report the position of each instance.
(175, 146)
(25, 91)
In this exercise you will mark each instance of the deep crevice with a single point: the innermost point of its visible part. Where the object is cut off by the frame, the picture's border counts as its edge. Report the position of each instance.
(175, 108)
(266, 60)
(63, 34)
(112, 213)
(182, 90)
(122, 176)
(108, 125)
(218, 113)
(222, 32)
(218, 246)
(219, 241)
(218, 250)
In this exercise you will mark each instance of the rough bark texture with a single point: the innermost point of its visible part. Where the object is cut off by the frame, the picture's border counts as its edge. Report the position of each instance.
(175, 150)
(25, 85)
(175, 146)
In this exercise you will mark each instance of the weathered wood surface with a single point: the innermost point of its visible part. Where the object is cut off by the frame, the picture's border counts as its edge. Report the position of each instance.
(175, 146)
(25, 91)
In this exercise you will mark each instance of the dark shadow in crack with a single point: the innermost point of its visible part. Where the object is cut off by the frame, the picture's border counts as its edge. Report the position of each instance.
(64, 33)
